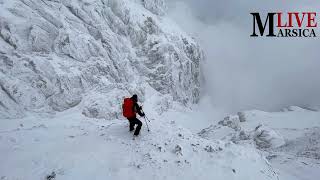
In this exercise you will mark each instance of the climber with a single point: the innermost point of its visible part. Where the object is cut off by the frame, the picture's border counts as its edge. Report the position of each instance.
(130, 107)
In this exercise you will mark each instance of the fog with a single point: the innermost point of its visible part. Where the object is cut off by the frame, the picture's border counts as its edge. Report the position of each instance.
(242, 72)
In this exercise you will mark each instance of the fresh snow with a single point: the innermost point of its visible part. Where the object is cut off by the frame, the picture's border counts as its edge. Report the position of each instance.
(56, 55)
(288, 139)
(76, 147)
(65, 67)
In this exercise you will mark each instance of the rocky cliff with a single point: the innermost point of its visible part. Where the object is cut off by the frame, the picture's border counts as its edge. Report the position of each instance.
(59, 54)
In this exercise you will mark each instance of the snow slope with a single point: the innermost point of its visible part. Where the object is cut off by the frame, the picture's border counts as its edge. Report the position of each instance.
(76, 147)
(289, 139)
(65, 66)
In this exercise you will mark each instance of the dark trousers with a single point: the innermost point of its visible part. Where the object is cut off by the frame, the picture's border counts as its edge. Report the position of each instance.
(134, 121)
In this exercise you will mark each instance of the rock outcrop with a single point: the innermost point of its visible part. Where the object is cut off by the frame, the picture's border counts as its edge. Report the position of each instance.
(59, 54)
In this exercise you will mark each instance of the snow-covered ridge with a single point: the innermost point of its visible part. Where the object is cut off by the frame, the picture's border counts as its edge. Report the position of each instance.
(58, 54)
(288, 139)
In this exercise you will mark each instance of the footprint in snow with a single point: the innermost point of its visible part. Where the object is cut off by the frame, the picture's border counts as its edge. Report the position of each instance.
(178, 150)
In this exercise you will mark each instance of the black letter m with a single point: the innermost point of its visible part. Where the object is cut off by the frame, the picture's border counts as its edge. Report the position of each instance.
(256, 18)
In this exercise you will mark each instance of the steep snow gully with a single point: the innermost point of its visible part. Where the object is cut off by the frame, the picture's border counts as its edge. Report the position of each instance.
(65, 67)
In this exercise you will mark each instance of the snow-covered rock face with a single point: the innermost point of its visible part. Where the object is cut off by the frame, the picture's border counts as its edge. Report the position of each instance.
(59, 54)
(156, 6)
(265, 137)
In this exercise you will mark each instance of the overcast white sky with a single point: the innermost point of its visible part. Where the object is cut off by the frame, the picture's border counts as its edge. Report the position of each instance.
(249, 73)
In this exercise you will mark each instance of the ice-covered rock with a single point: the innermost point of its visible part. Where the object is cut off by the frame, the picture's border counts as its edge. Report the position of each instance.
(156, 6)
(232, 122)
(246, 128)
(289, 139)
(267, 138)
(56, 55)
(242, 116)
